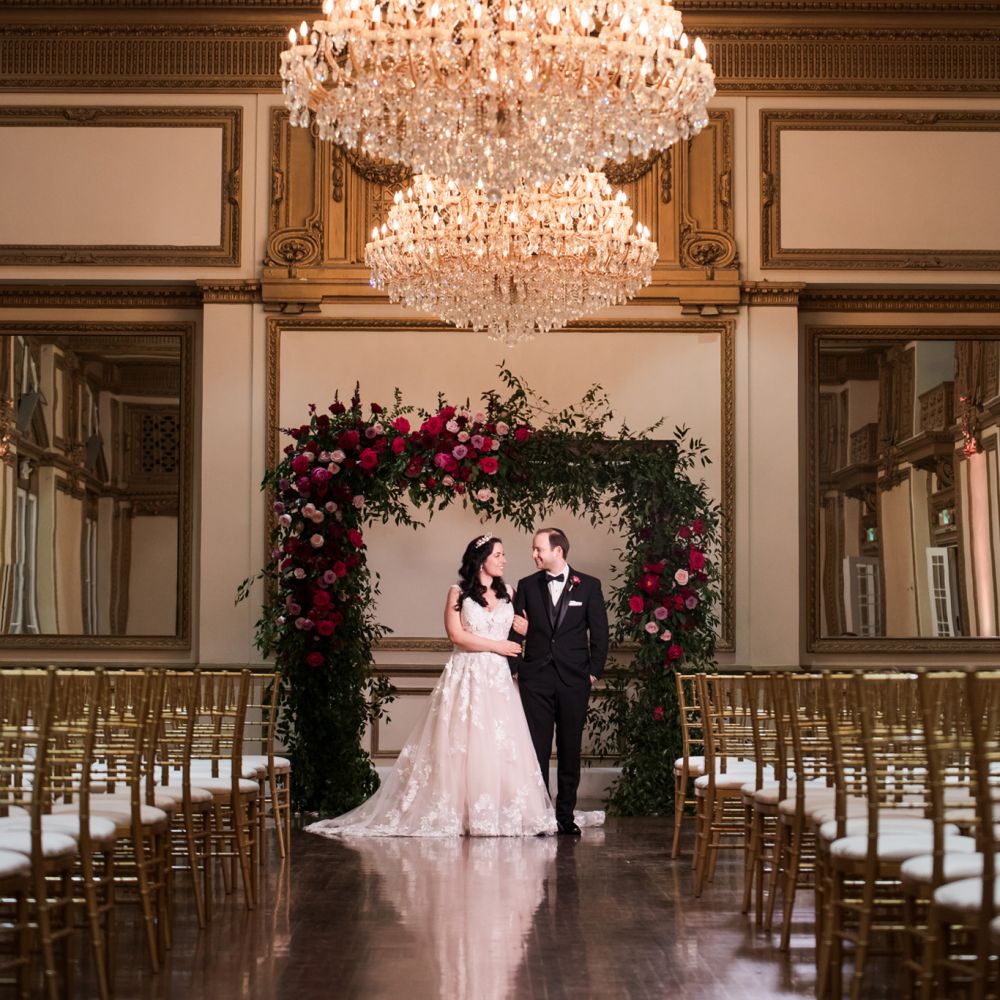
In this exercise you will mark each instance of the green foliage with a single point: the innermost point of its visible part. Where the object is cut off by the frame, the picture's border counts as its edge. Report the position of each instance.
(348, 469)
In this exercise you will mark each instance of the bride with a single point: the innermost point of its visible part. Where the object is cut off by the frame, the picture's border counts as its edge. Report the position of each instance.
(469, 766)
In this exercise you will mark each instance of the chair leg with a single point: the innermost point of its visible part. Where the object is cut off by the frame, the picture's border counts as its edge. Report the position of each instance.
(864, 937)
(777, 871)
(680, 792)
(791, 884)
(276, 810)
(750, 855)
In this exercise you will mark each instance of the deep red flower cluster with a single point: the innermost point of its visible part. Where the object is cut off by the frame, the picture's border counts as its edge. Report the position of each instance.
(667, 598)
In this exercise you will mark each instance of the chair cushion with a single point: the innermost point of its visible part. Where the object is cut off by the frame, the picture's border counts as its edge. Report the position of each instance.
(162, 800)
(897, 846)
(729, 780)
(815, 795)
(887, 823)
(966, 895)
(825, 811)
(280, 763)
(120, 810)
(101, 829)
(54, 845)
(920, 870)
(223, 786)
(250, 770)
(176, 792)
(14, 864)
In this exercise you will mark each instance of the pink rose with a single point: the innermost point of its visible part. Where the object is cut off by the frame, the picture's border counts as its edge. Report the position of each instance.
(667, 635)
(479, 417)
(681, 576)
(691, 602)
(660, 613)
(652, 628)
(459, 451)
(463, 436)
(452, 426)
(502, 429)
(338, 456)
(477, 442)
(484, 494)
(359, 501)
(316, 541)
(285, 521)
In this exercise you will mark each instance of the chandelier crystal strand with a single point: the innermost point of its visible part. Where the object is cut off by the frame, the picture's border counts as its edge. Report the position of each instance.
(529, 261)
(499, 92)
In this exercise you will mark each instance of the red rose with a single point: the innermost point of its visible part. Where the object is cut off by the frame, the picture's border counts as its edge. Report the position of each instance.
(398, 445)
(447, 413)
(431, 482)
(401, 424)
(315, 660)
(488, 465)
(658, 713)
(637, 604)
(377, 409)
(337, 408)
(522, 434)
(674, 652)
(656, 568)
(433, 426)
(355, 538)
(321, 599)
(697, 525)
(368, 459)
(300, 464)
(415, 467)
(696, 559)
(649, 583)
(339, 568)
(684, 532)
(325, 627)
(459, 487)
(348, 440)
(487, 444)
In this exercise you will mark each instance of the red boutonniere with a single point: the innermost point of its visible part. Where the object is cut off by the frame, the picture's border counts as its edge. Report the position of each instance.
(574, 581)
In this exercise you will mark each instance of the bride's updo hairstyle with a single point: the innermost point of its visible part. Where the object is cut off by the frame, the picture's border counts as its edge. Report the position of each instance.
(476, 553)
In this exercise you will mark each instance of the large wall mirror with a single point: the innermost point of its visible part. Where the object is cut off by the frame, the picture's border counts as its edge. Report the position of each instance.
(95, 503)
(903, 489)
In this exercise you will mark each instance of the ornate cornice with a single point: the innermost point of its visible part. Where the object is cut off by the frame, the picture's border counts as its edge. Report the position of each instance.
(246, 290)
(743, 7)
(918, 52)
(890, 299)
(765, 293)
(30, 295)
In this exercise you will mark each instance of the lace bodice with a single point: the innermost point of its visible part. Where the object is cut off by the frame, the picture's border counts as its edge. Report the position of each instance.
(493, 624)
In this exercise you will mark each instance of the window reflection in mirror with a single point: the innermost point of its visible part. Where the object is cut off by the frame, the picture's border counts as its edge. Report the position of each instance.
(90, 505)
(907, 533)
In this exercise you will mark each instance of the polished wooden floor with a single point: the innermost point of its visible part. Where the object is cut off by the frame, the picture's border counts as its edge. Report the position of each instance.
(609, 915)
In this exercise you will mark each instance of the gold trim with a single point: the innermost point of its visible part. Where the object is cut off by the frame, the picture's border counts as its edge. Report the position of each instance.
(895, 299)
(33, 295)
(727, 391)
(124, 333)
(228, 119)
(764, 293)
(773, 123)
(753, 51)
(811, 336)
(229, 292)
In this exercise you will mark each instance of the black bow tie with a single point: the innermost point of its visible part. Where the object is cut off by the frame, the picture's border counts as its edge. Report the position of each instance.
(549, 578)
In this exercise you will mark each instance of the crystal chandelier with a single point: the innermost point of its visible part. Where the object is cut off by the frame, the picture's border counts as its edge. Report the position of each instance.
(525, 262)
(498, 91)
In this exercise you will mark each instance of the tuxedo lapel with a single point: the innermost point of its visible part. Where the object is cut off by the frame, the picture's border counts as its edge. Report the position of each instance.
(543, 589)
(562, 605)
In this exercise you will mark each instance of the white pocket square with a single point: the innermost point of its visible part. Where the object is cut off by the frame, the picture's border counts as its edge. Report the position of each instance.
(576, 604)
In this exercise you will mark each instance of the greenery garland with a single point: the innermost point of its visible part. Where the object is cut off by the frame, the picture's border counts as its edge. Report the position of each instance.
(510, 458)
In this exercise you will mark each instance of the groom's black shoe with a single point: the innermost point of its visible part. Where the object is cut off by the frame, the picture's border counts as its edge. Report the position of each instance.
(569, 829)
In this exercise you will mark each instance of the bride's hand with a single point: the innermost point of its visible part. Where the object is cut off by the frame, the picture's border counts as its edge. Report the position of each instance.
(520, 624)
(507, 648)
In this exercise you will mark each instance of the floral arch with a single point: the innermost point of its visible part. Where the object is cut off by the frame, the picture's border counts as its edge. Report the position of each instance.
(509, 458)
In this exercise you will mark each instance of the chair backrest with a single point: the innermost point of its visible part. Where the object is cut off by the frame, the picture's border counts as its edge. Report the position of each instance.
(983, 698)
(689, 713)
(220, 721)
(763, 697)
(805, 732)
(725, 714)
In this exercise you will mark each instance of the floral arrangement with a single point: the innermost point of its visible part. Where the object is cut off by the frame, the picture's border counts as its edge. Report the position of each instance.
(511, 458)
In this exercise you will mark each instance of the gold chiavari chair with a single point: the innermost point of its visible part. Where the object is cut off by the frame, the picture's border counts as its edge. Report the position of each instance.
(803, 723)
(15, 891)
(729, 765)
(768, 787)
(193, 817)
(217, 766)
(863, 892)
(273, 772)
(690, 765)
(962, 911)
(948, 745)
(26, 704)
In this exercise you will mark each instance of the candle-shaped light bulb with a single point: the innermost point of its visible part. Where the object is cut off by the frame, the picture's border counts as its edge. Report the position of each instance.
(375, 233)
(699, 49)
(304, 30)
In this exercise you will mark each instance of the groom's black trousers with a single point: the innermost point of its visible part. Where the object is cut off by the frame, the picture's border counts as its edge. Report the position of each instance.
(550, 703)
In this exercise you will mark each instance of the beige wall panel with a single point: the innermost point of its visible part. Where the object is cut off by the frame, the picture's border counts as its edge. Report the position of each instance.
(648, 374)
(68, 592)
(889, 190)
(152, 592)
(111, 186)
(901, 617)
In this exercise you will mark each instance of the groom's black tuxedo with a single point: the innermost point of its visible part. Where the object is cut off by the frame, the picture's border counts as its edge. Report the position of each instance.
(565, 645)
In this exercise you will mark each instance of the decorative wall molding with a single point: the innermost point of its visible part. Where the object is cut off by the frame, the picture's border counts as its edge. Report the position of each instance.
(34, 295)
(766, 47)
(766, 293)
(230, 292)
(726, 329)
(774, 123)
(888, 298)
(229, 120)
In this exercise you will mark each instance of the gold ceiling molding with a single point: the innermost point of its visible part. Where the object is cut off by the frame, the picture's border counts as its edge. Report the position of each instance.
(746, 8)
(229, 120)
(325, 200)
(890, 299)
(87, 295)
(230, 292)
(773, 48)
(773, 123)
(726, 330)
(766, 293)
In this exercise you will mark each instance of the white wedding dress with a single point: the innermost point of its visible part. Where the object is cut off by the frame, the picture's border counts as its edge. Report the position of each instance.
(469, 766)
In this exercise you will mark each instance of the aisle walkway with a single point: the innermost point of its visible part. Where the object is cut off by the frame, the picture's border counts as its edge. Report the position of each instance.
(607, 916)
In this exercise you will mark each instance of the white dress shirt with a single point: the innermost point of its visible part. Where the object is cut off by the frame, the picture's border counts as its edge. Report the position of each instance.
(556, 586)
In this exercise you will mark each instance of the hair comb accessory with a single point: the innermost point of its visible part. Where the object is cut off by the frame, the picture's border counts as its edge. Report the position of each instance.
(482, 540)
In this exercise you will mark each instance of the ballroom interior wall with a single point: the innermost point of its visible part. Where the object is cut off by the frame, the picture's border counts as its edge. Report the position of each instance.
(838, 226)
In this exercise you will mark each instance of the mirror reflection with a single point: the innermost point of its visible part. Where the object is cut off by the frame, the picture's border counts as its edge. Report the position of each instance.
(90, 504)
(908, 515)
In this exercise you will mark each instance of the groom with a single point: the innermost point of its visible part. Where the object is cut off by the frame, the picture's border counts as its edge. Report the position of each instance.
(564, 653)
